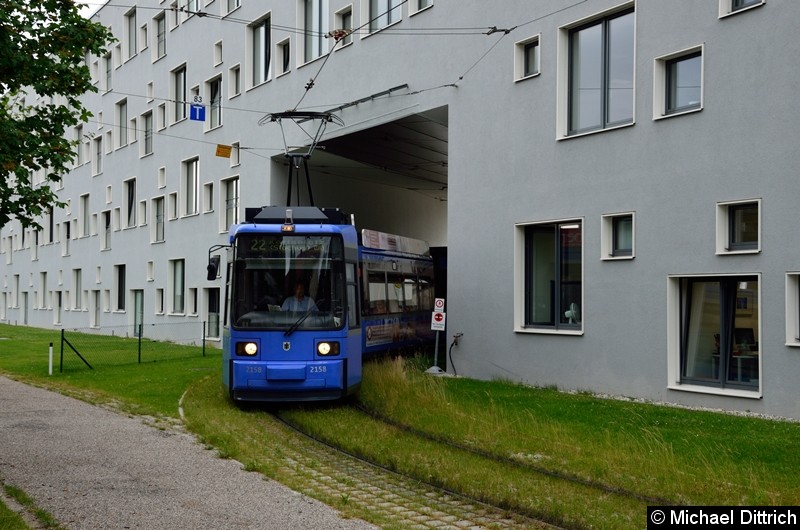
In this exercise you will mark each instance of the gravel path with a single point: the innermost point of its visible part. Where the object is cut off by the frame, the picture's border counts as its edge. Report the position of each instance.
(96, 469)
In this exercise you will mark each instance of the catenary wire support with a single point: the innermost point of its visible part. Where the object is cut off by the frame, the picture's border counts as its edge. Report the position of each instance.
(299, 155)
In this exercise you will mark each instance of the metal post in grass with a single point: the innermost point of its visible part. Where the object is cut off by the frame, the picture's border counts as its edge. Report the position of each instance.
(139, 333)
(61, 362)
(204, 338)
(50, 361)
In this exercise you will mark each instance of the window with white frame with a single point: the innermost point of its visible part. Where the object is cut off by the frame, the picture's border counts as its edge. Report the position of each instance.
(550, 276)
(208, 197)
(83, 215)
(77, 289)
(344, 21)
(144, 41)
(383, 13)
(191, 186)
(231, 198)
(213, 312)
(179, 94)
(106, 228)
(792, 310)
(119, 287)
(232, 4)
(739, 226)
(147, 125)
(160, 48)
(526, 58)
(122, 123)
(731, 7)
(714, 325)
(617, 236)
(596, 73)
(315, 29)
(129, 35)
(159, 220)
(419, 5)
(234, 81)
(214, 91)
(260, 39)
(284, 54)
(130, 203)
(109, 68)
(178, 285)
(678, 83)
(97, 159)
(217, 53)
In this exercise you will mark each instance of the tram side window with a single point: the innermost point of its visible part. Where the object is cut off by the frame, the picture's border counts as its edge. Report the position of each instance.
(395, 290)
(411, 294)
(426, 294)
(376, 287)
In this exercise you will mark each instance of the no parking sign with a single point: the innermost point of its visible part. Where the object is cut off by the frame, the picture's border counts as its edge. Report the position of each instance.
(438, 316)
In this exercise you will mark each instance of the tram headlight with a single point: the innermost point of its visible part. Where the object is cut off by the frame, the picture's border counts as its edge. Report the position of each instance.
(246, 348)
(327, 349)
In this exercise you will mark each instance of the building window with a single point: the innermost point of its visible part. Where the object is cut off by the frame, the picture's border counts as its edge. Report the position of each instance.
(191, 186)
(213, 311)
(178, 285)
(552, 276)
(109, 68)
(160, 48)
(526, 58)
(730, 7)
(179, 93)
(130, 34)
(315, 29)
(122, 123)
(383, 13)
(678, 83)
(214, 88)
(600, 73)
(119, 280)
(233, 4)
(419, 5)
(344, 20)
(793, 309)
(616, 238)
(718, 327)
(739, 227)
(106, 240)
(147, 124)
(97, 161)
(234, 81)
(217, 53)
(284, 51)
(77, 289)
(261, 51)
(84, 213)
(158, 220)
(130, 203)
(231, 187)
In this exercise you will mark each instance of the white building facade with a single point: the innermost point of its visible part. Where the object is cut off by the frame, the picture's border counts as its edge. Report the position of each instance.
(614, 181)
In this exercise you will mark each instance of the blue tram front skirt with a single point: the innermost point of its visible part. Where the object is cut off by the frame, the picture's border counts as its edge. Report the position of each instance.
(289, 380)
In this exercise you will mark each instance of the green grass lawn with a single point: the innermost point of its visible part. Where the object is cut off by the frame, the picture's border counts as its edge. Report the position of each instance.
(575, 449)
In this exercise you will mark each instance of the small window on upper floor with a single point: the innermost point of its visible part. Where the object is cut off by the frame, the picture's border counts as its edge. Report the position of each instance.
(617, 236)
(731, 7)
(418, 5)
(344, 21)
(383, 13)
(526, 58)
(739, 227)
(678, 83)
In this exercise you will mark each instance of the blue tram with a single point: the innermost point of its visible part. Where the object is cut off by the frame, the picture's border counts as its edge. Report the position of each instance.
(296, 284)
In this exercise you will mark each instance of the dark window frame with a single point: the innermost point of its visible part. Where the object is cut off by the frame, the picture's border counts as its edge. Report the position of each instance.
(605, 121)
(670, 107)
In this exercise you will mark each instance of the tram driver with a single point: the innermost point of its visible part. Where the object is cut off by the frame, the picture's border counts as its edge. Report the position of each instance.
(299, 302)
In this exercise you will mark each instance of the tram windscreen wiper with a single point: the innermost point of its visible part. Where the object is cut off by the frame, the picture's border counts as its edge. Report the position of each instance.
(300, 320)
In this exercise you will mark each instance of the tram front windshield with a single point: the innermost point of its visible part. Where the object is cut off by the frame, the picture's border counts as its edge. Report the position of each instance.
(289, 283)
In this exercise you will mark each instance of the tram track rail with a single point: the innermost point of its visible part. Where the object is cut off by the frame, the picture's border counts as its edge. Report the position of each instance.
(406, 500)
(615, 490)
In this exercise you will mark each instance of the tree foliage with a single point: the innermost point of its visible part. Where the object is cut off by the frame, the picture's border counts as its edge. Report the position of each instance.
(43, 49)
